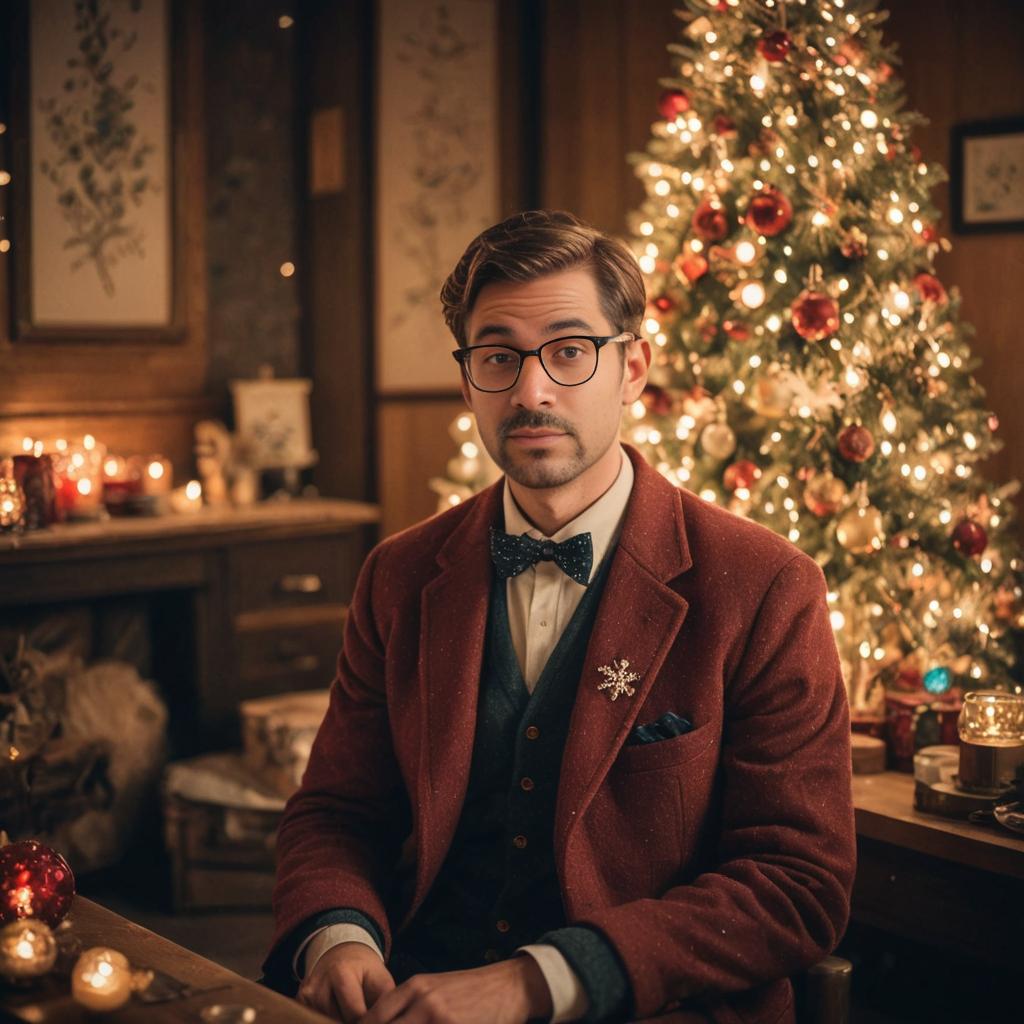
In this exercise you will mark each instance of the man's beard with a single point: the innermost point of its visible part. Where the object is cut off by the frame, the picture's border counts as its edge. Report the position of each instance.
(536, 467)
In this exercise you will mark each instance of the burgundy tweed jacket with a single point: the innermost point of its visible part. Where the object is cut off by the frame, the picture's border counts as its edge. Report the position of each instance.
(717, 862)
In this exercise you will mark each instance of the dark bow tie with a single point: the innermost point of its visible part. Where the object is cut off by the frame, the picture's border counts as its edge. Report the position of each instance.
(512, 555)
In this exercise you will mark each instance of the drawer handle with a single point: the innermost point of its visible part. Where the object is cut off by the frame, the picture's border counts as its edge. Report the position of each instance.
(300, 583)
(298, 662)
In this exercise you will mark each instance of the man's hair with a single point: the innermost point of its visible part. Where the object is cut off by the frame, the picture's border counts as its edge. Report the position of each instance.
(533, 244)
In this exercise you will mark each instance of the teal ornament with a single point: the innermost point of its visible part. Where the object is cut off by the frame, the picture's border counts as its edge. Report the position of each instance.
(937, 680)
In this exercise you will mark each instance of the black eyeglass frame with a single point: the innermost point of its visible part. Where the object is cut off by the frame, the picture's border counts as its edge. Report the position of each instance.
(461, 356)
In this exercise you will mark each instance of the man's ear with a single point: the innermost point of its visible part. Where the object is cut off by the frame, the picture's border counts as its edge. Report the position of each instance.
(634, 372)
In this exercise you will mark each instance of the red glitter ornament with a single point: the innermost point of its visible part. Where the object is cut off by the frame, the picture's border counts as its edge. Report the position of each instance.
(770, 212)
(709, 221)
(657, 400)
(969, 538)
(775, 46)
(672, 103)
(665, 303)
(737, 330)
(931, 288)
(35, 881)
(815, 315)
(741, 474)
(724, 127)
(856, 443)
(691, 267)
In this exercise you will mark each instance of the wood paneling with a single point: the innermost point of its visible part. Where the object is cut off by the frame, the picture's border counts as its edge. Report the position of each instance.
(337, 294)
(961, 63)
(415, 446)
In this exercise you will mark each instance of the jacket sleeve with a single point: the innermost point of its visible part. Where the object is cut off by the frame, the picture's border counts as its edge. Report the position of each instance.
(341, 833)
(777, 898)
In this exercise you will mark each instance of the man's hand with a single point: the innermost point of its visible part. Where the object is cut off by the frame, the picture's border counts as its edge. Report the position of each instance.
(347, 980)
(511, 992)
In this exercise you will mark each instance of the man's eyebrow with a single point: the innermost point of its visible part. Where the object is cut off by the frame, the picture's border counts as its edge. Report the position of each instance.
(501, 331)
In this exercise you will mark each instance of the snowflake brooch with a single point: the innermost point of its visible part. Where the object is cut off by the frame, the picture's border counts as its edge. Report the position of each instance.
(617, 678)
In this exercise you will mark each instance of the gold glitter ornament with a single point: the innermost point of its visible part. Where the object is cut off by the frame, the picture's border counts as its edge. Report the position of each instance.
(861, 531)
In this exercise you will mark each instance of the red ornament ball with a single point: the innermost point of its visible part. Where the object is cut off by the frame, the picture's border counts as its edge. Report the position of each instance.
(815, 315)
(770, 212)
(969, 538)
(724, 127)
(691, 267)
(657, 400)
(35, 881)
(775, 46)
(930, 288)
(665, 303)
(672, 103)
(856, 443)
(709, 221)
(737, 330)
(741, 474)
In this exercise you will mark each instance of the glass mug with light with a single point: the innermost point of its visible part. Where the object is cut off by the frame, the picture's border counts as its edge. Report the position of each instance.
(991, 729)
(568, 361)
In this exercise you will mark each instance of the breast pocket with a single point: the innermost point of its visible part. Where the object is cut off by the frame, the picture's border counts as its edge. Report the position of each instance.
(644, 757)
(641, 816)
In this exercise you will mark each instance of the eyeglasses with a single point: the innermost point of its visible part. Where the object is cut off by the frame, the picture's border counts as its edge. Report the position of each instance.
(567, 361)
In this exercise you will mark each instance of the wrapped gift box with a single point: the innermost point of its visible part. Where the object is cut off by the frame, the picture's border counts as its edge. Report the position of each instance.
(278, 733)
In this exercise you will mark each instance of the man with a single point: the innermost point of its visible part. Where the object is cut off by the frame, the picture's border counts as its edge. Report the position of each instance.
(599, 771)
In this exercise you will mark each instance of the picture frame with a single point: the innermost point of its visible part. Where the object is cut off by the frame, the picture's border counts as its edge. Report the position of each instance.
(987, 176)
(272, 422)
(97, 216)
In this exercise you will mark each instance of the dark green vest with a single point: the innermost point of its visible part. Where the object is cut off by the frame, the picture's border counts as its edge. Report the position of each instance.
(498, 888)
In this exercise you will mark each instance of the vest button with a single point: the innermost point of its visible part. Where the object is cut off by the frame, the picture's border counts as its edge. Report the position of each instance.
(532, 732)
(503, 926)
(526, 782)
(519, 842)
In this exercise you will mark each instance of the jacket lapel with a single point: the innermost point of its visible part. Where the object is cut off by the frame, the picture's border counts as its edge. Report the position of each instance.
(453, 627)
(638, 620)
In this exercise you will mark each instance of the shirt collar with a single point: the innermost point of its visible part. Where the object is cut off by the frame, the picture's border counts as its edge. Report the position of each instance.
(602, 520)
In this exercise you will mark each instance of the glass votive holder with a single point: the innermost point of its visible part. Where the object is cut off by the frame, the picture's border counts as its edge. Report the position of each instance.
(27, 949)
(991, 729)
(122, 482)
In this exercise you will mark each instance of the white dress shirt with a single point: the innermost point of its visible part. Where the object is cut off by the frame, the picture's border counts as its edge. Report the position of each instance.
(541, 601)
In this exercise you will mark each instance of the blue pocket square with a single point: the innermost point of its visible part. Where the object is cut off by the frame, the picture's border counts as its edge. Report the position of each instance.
(670, 724)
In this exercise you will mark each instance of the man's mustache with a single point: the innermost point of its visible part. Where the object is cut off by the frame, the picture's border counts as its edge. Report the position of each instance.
(526, 419)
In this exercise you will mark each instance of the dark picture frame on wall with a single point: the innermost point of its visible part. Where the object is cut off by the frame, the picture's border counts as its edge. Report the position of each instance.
(96, 197)
(987, 176)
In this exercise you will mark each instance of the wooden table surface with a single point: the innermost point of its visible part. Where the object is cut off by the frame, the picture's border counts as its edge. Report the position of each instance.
(884, 808)
(51, 1003)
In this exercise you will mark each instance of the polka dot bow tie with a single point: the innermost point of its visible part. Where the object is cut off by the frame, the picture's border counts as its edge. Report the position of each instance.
(512, 555)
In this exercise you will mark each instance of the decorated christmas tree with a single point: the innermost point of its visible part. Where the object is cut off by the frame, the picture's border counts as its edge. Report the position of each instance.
(811, 372)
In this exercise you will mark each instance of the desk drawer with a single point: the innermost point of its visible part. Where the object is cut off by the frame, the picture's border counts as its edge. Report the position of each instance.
(317, 570)
(292, 656)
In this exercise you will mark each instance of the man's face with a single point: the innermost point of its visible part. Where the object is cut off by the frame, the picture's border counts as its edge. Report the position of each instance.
(544, 435)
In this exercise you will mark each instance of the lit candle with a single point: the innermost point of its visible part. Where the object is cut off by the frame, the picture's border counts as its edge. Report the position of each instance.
(188, 498)
(101, 979)
(122, 481)
(158, 476)
(27, 949)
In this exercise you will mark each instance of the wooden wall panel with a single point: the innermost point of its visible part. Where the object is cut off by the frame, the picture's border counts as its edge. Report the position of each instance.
(414, 446)
(961, 62)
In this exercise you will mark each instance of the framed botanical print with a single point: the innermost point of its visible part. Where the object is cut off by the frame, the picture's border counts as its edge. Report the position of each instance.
(95, 195)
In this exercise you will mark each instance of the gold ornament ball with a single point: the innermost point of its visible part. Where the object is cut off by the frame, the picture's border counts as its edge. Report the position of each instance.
(861, 531)
(718, 440)
(824, 494)
(27, 949)
(771, 397)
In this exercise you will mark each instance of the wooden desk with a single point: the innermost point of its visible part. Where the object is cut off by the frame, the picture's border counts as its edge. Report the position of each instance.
(240, 602)
(211, 983)
(932, 879)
